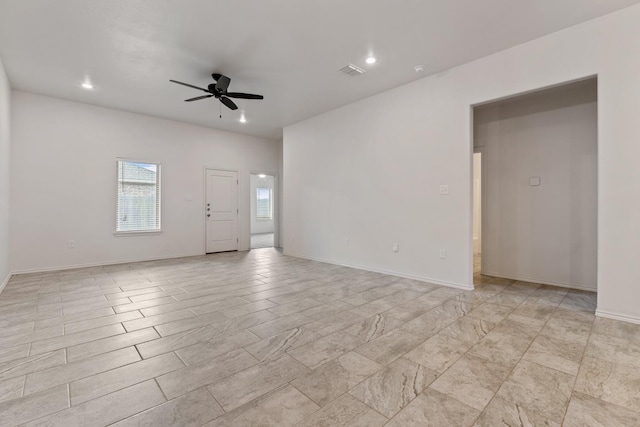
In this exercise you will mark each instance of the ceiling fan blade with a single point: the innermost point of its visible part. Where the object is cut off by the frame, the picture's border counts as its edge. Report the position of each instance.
(229, 103)
(188, 85)
(222, 83)
(243, 95)
(197, 98)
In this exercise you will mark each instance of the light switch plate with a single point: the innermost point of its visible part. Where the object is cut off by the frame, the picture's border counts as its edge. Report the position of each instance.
(534, 181)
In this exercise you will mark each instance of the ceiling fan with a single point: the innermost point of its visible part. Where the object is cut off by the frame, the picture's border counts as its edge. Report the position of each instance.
(219, 91)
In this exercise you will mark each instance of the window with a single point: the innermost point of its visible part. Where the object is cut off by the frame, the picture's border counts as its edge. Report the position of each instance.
(138, 204)
(264, 203)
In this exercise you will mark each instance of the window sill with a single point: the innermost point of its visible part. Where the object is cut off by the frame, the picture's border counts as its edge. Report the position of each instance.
(264, 219)
(135, 233)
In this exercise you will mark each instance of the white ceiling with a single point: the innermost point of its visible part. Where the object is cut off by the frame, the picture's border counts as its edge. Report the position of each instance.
(290, 51)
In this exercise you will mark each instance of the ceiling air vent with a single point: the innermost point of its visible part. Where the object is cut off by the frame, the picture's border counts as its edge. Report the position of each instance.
(351, 70)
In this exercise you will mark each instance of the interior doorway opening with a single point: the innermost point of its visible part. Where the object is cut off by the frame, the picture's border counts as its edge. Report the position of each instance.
(263, 210)
(535, 187)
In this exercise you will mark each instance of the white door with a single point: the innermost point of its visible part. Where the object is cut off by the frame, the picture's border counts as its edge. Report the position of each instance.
(221, 210)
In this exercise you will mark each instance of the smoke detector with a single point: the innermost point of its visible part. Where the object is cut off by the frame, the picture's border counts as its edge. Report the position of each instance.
(351, 70)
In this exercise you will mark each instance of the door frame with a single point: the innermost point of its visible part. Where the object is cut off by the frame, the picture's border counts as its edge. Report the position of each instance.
(276, 206)
(204, 203)
(471, 149)
(483, 204)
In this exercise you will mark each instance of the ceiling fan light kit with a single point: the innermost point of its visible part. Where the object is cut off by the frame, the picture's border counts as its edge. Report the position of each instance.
(219, 91)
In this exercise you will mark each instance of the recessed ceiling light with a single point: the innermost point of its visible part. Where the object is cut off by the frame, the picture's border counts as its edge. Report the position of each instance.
(87, 85)
(371, 60)
(243, 119)
(419, 68)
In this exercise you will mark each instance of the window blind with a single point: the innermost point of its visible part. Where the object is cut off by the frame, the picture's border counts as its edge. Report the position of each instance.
(264, 208)
(138, 202)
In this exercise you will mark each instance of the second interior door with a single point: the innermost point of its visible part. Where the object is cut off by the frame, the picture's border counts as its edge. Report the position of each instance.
(221, 209)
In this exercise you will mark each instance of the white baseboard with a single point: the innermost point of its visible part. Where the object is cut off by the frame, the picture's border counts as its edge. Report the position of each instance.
(542, 282)
(99, 264)
(328, 261)
(389, 272)
(6, 280)
(616, 316)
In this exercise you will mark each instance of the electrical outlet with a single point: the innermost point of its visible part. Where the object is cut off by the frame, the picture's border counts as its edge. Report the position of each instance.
(71, 244)
(396, 247)
(444, 190)
(443, 253)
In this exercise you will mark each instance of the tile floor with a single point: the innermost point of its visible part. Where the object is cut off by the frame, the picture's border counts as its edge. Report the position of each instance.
(257, 338)
(262, 240)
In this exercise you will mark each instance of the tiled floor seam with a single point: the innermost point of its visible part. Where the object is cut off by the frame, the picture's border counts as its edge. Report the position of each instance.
(453, 363)
(206, 387)
(321, 408)
(122, 388)
(155, 380)
(584, 352)
(520, 360)
(365, 379)
(346, 392)
(142, 358)
(24, 384)
(53, 413)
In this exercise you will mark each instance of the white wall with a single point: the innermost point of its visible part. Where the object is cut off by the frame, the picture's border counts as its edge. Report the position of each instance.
(64, 174)
(5, 158)
(262, 225)
(370, 171)
(546, 233)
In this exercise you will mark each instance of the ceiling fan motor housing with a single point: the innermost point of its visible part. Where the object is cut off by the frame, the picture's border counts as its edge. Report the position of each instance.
(212, 89)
